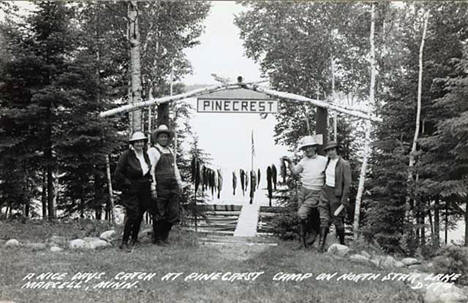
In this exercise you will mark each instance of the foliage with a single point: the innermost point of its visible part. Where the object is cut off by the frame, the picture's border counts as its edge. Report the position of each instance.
(453, 260)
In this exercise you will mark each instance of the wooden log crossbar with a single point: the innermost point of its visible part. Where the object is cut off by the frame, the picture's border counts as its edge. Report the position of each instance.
(251, 86)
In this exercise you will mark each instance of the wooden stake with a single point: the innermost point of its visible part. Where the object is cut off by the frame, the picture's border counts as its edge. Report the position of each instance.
(109, 186)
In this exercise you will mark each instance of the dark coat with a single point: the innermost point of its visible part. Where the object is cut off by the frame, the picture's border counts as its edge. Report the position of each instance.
(342, 179)
(128, 170)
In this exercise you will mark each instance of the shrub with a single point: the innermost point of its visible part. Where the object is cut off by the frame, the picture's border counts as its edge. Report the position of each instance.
(453, 259)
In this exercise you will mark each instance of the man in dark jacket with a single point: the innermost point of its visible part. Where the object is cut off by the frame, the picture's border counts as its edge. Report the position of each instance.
(334, 194)
(133, 177)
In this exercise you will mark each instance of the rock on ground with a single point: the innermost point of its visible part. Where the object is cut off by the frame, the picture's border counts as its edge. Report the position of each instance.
(410, 261)
(366, 254)
(399, 264)
(146, 233)
(441, 292)
(96, 244)
(12, 243)
(77, 244)
(338, 249)
(388, 262)
(55, 249)
(359, 259)
(108, 235)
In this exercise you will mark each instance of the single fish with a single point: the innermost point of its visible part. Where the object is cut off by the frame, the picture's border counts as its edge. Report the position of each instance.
(274, 174)
(242, 179)
(269, 184)
(234, 183)
(283, 170)
(258, 178)
(253, 185)
(220, 182)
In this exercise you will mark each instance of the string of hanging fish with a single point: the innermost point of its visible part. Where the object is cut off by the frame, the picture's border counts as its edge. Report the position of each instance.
(254, 177)
(205, 178)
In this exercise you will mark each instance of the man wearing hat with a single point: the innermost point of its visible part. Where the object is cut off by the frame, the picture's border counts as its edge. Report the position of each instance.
(335, 192)
(311, 170)
(167, 188)
(133, 177)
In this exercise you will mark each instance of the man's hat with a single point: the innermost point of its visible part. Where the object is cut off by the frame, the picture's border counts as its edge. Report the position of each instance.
(330, 145)
(308, 141)
(137, 136)
(162, 129)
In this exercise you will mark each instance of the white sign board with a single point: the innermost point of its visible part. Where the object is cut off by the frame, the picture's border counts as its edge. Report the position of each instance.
(237, 106)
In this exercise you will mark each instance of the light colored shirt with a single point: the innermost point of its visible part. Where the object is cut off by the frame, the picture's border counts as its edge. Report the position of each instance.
(141, 158)
(312, 171)
(154, 156)
(330, 173)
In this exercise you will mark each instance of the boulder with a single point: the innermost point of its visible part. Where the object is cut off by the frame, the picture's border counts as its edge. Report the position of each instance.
(399, 264)
(77, 244)
(96, 244)
(388, 262)
(441, 292)
(416, 267)
(359, 259)
(366, 254)
(36, 246)
(338, 249)
(410, 261)
(108, 235)
(12, 243)
(146, 233)
(56, 249)
(90, 239)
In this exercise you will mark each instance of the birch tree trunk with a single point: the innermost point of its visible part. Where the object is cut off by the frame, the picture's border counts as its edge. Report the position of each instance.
(135, 74)
(362, 175)
(412, 159)
(44, 195)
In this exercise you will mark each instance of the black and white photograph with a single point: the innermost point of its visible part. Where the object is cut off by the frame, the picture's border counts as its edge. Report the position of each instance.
(234, 151)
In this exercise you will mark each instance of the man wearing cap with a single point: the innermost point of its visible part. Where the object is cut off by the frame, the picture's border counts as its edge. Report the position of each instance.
(311, 170)
(133, 177)
(167, 188)
(335, 191)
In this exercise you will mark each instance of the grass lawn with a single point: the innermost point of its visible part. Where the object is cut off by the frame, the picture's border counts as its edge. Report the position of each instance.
(186, 257)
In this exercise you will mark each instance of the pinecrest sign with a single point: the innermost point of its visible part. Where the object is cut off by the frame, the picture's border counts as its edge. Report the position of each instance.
(238, 100)
(236, 106)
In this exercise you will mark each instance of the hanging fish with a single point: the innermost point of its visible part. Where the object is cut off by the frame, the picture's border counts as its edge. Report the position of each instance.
(234, 183)
(253, 185)
(220, 183)
(283, 170)
(205, 178)
(258, 178)
(242, 179)
(197, 175)
(274, 175)
(212, 181)
(269, 184)
(193, 168)
(246, 181)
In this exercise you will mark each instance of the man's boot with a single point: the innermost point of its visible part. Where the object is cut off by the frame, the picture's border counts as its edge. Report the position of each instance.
(167, 226)
(302, 234)
(311, 239)
(323, 238)
(341, 234)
